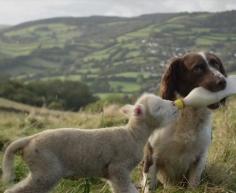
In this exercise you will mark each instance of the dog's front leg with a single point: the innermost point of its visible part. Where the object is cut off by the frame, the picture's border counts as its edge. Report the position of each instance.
(195, 172)
(149, 170)
(149, 179)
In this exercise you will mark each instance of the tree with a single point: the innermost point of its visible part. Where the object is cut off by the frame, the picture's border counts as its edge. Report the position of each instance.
(67, 95)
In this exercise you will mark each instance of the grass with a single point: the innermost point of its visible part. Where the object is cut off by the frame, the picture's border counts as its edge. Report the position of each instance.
(15, 49)
(18, 120)
(106, 95)
(125, 86)
(214, 38)
(133, 74)
(232, 73)
(45, 35)
(142, 33)
(63, 78)
(98, 55)
(200, 30)
(204, 41)
(172, 26)
(37, 29)
(89, 70)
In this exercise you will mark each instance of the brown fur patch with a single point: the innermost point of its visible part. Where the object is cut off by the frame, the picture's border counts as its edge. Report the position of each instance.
(148, 161)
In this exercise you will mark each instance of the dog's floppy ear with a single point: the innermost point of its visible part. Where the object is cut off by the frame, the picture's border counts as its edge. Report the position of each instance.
(223, 71)
(221, 66)
(169, 80)
(136, 110)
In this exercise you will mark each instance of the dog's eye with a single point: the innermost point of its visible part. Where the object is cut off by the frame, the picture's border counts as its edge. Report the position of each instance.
(214, 64)
(199, 68)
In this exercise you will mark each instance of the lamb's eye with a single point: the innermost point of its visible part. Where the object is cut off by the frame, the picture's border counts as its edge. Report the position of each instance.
(157, 108)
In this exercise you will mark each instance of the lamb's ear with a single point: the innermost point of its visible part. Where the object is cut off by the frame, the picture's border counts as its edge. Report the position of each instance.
(127, 110)
(139, 110)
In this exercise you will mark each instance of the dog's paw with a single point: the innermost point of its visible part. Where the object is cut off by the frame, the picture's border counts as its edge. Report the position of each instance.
(144, 180)
(152, 184)
(148, 184)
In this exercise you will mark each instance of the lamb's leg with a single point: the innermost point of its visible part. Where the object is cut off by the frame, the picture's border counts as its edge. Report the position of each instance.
(31, 184)
(35, 183)
(120, 182)
(45, 172)
(19, 185)
(195, 172)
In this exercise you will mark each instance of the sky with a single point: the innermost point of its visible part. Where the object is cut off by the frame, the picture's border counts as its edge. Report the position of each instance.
(18, 11)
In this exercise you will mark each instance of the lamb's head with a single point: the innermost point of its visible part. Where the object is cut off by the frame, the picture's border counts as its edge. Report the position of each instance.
(151, 110)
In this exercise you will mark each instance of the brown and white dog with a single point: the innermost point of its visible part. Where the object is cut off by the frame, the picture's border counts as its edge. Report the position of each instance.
(177, 154)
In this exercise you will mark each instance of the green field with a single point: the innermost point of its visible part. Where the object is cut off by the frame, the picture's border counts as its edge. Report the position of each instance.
(125, 86)
(17, 120)
(107, 95)
(133, 74)
(118, 50)
(63, 78)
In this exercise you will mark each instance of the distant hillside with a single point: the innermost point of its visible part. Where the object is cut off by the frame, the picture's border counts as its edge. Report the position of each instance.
(113, 54)
(3, 27)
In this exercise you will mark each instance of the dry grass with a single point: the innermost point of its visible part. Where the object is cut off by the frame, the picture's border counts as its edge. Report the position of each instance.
(220, 176)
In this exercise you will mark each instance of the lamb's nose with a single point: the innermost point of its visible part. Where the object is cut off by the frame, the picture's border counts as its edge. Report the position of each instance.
(221, 83)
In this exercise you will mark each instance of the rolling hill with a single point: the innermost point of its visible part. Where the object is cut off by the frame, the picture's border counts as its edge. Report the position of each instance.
(3, 27)
(113, 54)
(18, 120)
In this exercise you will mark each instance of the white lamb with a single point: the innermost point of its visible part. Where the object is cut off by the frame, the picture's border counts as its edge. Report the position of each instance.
(110, 153)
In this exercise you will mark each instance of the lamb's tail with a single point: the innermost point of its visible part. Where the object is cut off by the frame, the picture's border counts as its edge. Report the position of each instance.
(8, 158)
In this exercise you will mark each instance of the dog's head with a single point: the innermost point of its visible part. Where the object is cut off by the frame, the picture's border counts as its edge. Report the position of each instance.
(191, 71)
(152, 110)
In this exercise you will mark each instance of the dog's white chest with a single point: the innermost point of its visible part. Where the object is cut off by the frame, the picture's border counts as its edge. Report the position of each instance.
(180, 145)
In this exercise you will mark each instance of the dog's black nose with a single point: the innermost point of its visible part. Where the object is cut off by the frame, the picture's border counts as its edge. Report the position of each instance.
(221, 83)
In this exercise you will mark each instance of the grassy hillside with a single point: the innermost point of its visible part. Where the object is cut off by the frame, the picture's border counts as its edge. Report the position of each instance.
(17, 120)
(112, 51)
(3, 27)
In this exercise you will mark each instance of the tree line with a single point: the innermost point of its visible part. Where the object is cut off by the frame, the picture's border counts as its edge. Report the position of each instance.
(55, 94)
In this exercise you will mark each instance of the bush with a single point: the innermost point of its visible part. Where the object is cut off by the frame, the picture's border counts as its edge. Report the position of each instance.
(99, 105)
(67, 95)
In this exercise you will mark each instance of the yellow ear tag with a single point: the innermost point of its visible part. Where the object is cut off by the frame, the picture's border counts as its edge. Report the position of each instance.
(179, 103)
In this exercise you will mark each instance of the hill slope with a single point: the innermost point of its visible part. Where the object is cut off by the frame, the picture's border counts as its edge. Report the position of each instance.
(113, 54)
(219, 176)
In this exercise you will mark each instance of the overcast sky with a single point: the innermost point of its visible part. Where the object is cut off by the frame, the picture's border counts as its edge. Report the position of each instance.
(17, 11)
